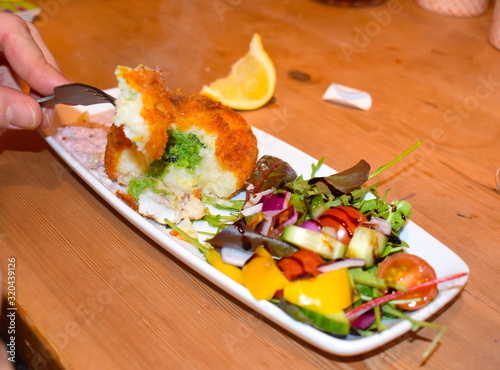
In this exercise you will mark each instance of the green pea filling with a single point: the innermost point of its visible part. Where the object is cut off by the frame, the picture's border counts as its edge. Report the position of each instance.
(182, 151)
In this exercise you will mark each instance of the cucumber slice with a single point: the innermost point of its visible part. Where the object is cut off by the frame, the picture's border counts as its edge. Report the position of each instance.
(335, 323)
(323, 244)
(367, 244)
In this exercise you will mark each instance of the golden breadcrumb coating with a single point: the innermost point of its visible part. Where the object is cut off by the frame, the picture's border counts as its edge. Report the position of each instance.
(128, 199)
(231, 147)
(117, 142)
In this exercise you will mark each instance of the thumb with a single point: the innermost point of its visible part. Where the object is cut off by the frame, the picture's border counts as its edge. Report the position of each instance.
(20, 111)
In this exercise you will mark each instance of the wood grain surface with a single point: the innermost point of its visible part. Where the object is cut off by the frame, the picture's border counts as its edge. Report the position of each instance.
(94, 293)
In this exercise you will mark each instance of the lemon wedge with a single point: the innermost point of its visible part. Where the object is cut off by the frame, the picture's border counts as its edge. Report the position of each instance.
(251, 82)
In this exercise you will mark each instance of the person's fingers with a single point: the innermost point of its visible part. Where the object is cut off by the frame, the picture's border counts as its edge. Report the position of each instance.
(27, 54)
(41, 45)
(20, 111)
(25, 57)
(48, 56)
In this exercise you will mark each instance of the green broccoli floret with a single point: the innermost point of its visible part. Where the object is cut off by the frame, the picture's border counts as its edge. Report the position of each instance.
(182, 151)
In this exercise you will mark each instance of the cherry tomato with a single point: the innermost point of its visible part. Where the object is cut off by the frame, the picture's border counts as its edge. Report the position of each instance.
(344, 220)
(409, 270)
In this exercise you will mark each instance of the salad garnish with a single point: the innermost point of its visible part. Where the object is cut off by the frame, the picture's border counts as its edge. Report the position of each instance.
(325, 249)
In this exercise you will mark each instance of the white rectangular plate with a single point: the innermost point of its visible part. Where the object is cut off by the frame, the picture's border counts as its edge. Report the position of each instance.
(442, 259)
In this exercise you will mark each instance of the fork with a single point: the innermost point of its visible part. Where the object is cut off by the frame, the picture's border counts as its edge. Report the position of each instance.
(76, 94)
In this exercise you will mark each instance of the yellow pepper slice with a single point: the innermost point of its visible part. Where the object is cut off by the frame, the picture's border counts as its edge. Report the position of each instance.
(325, 294)
(214, 258)
(261, 276)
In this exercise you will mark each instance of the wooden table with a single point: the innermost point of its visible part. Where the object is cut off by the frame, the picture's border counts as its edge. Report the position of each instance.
(94, 292)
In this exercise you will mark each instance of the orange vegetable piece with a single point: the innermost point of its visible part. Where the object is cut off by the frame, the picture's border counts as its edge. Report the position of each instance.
(302, 262)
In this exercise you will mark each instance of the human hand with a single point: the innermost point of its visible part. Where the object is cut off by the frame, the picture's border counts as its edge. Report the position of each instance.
(25, 60)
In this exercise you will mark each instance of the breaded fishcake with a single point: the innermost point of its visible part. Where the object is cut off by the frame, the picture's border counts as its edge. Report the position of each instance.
(167, 143)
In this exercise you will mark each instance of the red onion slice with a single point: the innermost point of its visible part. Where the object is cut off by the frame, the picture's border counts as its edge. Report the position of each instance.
(235, 257)
(346, 263)
(275, 221)
(252, 210)
(265, 226)
(277, 202)
(311, 224)
(257, 198)
(380, 224)
(364, 321)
